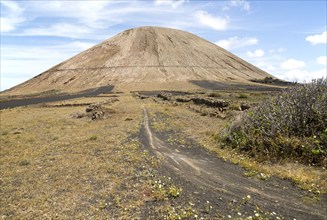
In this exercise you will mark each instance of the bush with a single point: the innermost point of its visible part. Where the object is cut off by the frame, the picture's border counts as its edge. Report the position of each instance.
(291, 125)
(214, 95)
(242, 96)
(273, 81)
(93, 137)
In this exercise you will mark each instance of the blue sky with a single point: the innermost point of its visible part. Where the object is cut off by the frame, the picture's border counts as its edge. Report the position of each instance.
(285, 38)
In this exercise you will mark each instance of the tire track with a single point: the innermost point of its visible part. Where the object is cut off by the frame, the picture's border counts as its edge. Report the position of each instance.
(227, 181)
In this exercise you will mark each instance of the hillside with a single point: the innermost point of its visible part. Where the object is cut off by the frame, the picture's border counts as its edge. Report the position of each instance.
(145, 58)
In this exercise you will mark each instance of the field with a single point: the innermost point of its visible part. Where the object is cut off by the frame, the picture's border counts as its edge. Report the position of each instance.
(145, 157)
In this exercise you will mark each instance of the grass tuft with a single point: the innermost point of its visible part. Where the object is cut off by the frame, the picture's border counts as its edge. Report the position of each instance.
(93, 138)
(214, 95)
(24, 163)
(242, 96)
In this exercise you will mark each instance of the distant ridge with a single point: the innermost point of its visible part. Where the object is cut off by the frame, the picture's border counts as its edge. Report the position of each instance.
(145, 58)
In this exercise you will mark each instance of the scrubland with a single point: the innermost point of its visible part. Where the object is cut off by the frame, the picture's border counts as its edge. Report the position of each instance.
(54, 165)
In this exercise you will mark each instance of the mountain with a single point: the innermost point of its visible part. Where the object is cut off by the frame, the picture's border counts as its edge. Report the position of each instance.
(145, 58)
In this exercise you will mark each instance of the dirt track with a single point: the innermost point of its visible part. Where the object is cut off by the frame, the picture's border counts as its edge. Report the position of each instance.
(197, 168)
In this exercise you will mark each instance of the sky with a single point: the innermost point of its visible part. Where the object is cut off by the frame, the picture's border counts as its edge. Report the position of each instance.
(285, 38)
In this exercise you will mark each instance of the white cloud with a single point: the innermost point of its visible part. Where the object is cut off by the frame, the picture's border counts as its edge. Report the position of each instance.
(292, 64)
(93, 19)
(172, 3)
(270, 68)
(256, 53)
(317, 38)
(279, 50)
(60, 51)
(240, 3)
(11, 16)
(289, 70)
(236, 42)
(299, 75)
(269, 62)
(59, 30)
(322, 60)
(93, 14)
(12, 6)
(293, 70)
(6, 25)
(206, 19)
(20, 63)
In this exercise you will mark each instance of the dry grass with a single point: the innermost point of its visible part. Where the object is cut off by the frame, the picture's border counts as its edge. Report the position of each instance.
(83, 100)
(55, 166)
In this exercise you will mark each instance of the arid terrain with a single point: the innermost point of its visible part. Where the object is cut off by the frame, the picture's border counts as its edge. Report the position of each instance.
(144, 58)
(140, 127)
(145, 155)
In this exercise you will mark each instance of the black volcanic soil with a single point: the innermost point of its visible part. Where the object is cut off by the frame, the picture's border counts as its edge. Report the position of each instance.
(219, 188)
(30, 101)
(213, 85)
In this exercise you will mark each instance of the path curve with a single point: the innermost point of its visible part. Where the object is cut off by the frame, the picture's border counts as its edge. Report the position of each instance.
(227, 181)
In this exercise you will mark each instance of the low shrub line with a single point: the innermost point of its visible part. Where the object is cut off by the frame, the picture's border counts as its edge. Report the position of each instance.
(290, 126)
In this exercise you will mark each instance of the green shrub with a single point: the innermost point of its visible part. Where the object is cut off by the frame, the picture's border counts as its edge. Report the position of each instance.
(93, 137)
(290, 126)
(24, 163)
(242, 96)
(270, 80)
(214, 94)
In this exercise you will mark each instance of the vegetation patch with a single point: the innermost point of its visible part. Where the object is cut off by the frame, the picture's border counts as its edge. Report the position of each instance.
(215, 95)
(242, 96)
(291, 126)
(184, 118)
(93, 138)
(272, 81)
